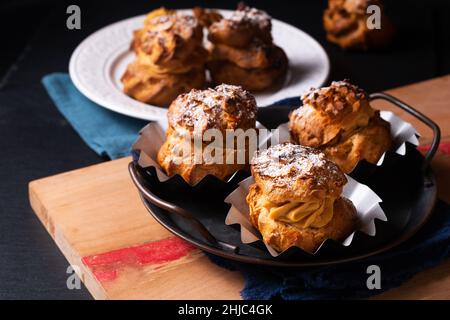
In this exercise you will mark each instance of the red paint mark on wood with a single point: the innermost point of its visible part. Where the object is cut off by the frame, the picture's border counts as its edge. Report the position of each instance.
(443, 147)
(102, 274)
(106, 266)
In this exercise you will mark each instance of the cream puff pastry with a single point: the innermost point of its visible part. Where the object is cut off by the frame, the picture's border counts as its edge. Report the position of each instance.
(296, 198)
(170, 58)
(346, 24)
(242, 51)
(190, 116)
(340, 122)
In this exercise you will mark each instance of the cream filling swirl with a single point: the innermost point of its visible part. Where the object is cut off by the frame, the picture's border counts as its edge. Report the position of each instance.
(315, 214)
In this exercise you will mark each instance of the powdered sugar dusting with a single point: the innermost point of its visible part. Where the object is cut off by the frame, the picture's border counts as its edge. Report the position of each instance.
(169, 20)
(224, 107)
(252, 16)
(286, 163)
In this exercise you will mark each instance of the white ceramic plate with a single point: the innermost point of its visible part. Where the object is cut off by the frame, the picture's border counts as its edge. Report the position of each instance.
(98, 63)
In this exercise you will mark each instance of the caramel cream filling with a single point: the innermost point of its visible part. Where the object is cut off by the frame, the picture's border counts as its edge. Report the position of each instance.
(315, 214)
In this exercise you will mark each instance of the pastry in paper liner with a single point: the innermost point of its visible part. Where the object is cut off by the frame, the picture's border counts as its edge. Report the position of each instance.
(364, 199)
(150, 140)
(401, 132)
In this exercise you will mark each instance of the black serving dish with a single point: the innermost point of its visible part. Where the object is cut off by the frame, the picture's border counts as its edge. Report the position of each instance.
(405, 183)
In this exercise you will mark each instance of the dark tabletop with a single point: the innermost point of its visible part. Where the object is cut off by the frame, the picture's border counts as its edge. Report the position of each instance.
(36, 141)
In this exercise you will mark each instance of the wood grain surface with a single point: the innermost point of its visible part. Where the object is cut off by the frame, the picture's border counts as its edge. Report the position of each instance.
(97, 220)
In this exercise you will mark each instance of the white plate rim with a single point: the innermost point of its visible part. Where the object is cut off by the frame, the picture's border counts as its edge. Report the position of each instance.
(145, 111)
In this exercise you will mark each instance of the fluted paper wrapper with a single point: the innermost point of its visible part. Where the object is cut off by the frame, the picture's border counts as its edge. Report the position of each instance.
(150, 140)
(401, 132)
(366, 202)
(153, 136)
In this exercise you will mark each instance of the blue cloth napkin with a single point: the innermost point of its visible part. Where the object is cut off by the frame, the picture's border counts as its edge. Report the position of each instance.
(111, 134)
(429, 247)
(106, 132)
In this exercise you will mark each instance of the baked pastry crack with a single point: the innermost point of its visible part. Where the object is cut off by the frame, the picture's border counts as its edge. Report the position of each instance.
(194, 114)
(345, 22)
(340, 122)
(296, 198)
(241, 48)
(170, 58)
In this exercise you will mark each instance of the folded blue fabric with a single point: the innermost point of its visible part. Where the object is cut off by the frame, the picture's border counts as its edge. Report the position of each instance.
(106, 132)
(111, 134)
(429, 247)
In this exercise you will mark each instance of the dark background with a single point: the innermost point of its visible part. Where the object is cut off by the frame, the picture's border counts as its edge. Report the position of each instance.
(36, 141)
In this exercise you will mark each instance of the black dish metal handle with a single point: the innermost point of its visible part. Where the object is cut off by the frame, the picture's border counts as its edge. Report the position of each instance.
(417, 114)
(172, 208)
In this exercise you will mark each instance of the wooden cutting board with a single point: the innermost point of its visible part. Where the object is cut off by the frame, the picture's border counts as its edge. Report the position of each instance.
(96, 218)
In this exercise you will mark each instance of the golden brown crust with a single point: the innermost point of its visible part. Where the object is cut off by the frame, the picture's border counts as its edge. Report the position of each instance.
(190, 115)
(337, 100)
(289, 172)
(281, 236)
(192, 172)
(340, 121)
(170, 41)
(257, 55)
(159, 89)
(345, 22)
(242, 51)
(170, 58)
(329, 111)
(206, 17)
(253, 79)
(242, 27)
(224, 107)
(368, 143)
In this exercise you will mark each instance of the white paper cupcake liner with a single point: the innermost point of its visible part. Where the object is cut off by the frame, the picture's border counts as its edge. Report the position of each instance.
(401, 132)
(150, 140)
(365, 200)
(153, 136)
